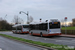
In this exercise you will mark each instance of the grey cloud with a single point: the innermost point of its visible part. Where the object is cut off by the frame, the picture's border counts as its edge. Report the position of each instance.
(45, 9)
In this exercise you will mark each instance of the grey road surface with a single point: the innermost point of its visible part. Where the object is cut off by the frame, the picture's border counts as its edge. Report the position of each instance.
(6, 44)
(56, 40)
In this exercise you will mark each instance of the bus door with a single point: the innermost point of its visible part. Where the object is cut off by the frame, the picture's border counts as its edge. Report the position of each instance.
(54, 27)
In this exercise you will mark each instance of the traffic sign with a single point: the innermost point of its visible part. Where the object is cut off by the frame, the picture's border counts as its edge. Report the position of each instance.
(65, 25)
(65, 17)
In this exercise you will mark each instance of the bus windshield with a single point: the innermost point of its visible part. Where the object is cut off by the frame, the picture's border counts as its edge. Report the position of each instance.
(53, 25)
(25, 26)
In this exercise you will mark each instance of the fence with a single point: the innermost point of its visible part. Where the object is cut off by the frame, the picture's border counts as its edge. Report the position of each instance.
(71, 32)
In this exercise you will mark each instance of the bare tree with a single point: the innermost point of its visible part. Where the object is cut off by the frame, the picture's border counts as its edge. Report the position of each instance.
(30, 19)
(17, 20)
(62, 22)
(1, 18)
(4, 25)
(70, 24)
(73, 21)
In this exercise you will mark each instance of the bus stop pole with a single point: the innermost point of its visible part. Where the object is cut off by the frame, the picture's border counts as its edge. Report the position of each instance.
(65, 27)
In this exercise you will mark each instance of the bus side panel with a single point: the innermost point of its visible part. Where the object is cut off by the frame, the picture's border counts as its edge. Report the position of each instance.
(18, 31)
(44, 33)
(37, 32)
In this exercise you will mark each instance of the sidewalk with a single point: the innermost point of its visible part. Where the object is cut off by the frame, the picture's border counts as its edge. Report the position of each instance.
(63, 35)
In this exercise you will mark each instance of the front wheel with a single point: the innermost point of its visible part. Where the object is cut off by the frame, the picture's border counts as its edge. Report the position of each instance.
(13, 32)
(31, 33)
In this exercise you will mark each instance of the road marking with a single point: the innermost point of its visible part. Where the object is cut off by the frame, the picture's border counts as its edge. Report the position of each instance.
(36, 37)
(73, 40)
(0, 48)
(45, 39)
(65, 41)
(45, 49)
(58, 40)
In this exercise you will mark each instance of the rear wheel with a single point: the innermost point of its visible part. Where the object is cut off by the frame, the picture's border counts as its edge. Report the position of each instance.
(41, 34)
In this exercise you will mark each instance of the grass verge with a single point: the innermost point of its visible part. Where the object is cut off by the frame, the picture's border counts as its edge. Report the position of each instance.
(68, 28)
(55, 46)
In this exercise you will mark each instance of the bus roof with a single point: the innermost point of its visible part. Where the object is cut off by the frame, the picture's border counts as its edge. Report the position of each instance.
(42, 22)
(37, 22)
(19, 25)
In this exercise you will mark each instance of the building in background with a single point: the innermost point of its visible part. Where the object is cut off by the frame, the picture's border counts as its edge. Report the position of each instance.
(73, 22)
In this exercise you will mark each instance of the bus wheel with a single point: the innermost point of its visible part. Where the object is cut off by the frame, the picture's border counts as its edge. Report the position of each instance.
(41, 34)
(31, 33)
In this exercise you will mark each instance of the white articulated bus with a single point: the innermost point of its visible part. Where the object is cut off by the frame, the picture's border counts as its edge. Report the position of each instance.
(20, 28)
(51, 28)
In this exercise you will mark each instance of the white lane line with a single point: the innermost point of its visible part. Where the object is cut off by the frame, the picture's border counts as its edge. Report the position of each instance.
(45, 49)
(58, 40)
(48, 39)
(69, 41)
(36, 37)
(45, 39)
(73, 40)
(0, 48)
(65, 41)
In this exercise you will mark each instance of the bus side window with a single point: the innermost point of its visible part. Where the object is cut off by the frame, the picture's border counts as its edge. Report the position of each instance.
(44, 26)
(40, 27)
(31, 27)
(36, 27)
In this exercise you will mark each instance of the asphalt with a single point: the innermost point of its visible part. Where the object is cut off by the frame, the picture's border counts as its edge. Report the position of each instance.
(6, 44)
(65, 35)
(55, 40)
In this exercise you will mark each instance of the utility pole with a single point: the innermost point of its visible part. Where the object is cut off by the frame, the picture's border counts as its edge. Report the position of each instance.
(5, 16)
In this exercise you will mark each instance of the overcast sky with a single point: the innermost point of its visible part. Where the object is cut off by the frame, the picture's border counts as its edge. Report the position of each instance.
(45, 9)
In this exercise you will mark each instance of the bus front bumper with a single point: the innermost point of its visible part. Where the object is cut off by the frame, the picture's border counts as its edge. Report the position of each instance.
(25, 32)
(54, 34)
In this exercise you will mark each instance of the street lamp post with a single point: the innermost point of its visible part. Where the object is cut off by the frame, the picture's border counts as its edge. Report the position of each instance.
(26, 14)
(5, 17)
